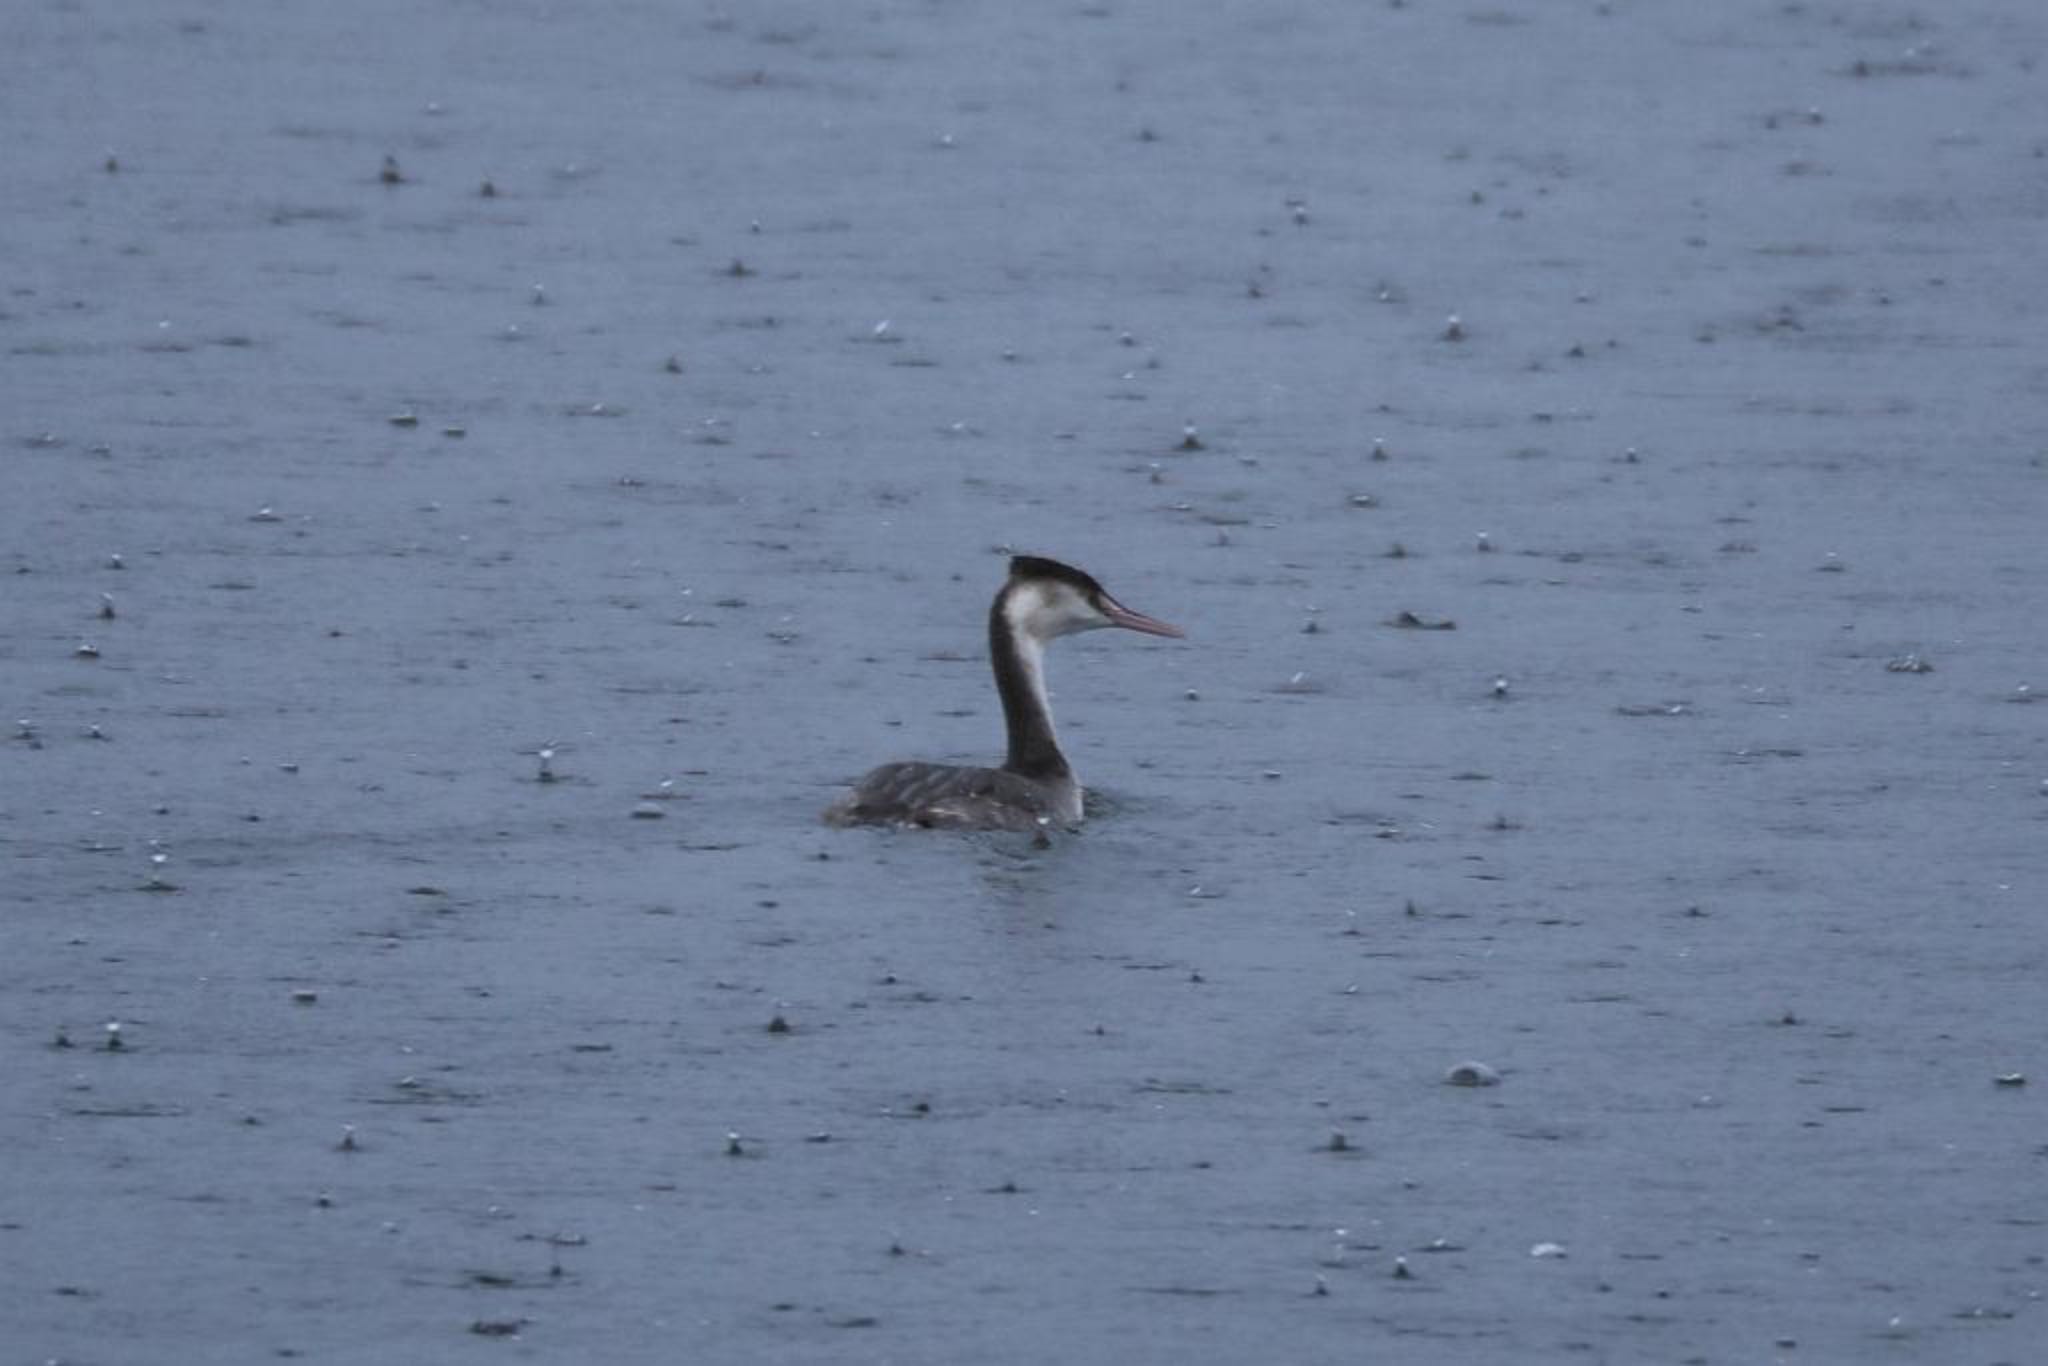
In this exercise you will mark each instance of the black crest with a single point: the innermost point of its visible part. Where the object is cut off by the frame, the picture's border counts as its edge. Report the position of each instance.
(1038, 567)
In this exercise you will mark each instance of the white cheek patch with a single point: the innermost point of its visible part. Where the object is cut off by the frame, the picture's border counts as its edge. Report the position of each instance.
(1045, 611)
(1072, 612)
(1023, 608)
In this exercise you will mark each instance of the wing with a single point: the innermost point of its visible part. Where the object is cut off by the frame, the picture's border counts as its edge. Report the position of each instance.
(941, 796)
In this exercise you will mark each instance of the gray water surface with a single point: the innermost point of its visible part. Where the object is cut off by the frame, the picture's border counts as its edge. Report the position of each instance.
(1711, 824)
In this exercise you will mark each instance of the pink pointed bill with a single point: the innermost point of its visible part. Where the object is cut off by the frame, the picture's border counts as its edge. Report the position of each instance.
(1120, 615)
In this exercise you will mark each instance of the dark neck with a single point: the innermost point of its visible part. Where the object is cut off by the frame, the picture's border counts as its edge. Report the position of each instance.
(1034, 752)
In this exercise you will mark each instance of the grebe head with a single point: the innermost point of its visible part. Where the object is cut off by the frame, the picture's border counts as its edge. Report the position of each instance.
(1045, 598)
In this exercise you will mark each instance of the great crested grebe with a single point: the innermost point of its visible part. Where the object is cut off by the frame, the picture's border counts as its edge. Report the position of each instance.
(1035, 787)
